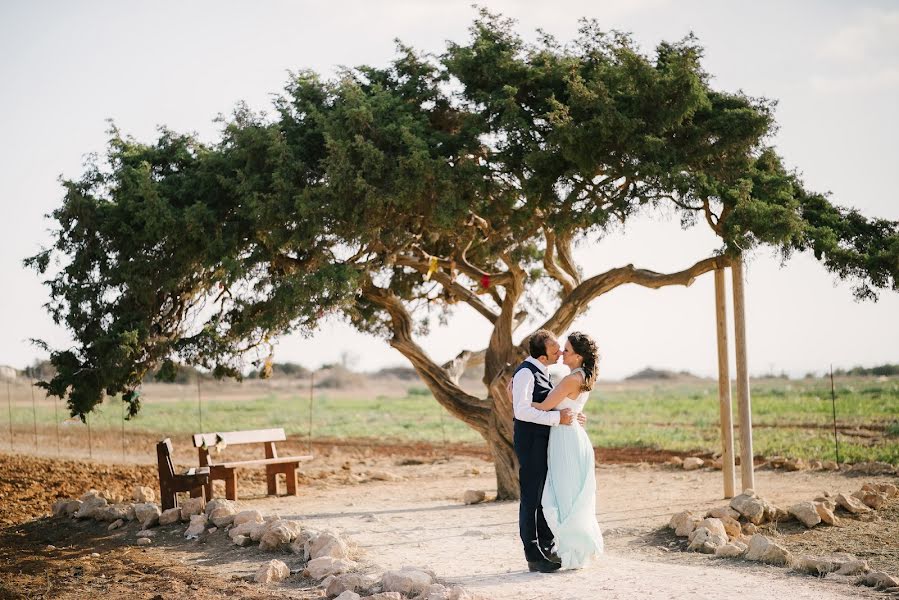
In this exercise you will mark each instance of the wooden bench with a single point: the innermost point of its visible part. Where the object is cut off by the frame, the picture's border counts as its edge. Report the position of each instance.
(195, 481)
(227, 470)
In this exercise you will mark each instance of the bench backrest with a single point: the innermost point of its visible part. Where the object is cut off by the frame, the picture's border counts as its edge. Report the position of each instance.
(232, 438)
(164, 457)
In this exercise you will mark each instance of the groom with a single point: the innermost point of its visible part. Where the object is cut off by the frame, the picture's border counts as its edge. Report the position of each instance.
(531, 383)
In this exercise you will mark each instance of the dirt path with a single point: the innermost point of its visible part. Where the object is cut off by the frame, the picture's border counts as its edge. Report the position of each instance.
(418, 520)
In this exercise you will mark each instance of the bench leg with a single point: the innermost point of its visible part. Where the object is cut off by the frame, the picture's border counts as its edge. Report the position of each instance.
(231, 485)
(198, 492)
(271, 480)
(167, 498)
(208, 493)
(291, 476)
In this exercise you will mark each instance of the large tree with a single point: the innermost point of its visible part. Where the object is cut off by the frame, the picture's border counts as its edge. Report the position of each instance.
(389, 195)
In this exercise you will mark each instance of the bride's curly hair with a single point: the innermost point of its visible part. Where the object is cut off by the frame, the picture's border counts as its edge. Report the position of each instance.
(586, 348)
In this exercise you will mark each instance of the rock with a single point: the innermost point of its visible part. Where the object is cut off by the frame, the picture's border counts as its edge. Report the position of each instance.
(474, 496)
(197, 526)
(873, 468)
(91, 503)
(147, 514)
(825, 512)
(716, 464)
(319, 568)
(146, 533)
(219, 503)
(731, 527)
(691, 463)
(248, 516)
(222, 515)
(706, 540)
(352, 582)
(775, 514)
(814, 565)
(436, 591)
(50, 548)
(731, 549)
(385, 596)
(348, 595)
(66, 507)
(874, 500)
(328, 544)
(677, 461)
(383, 476)
(716, 526)
(191, 507)
(764, 550)
(115, 524)
(257, 530)
(408, 580)
(244, 529)
(852, 567)
(722, 511)
(879, 579)
(684, 523)
(302, 545)
(815, 465)
(794, 464)
(890, 490)
(776, 462)
(749, 529)
(806, 512)
(829, 465)
(242, 540)
(170, 516)
(277, 536)
(110, 513)
(213, 529)
(749, 506)
(851, 504)
(144, 541)
(270, 572)
(142, 494)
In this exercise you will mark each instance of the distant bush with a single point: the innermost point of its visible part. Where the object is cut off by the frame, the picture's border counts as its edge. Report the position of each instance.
(338, 377)
(418, 391)
(650, 373)
(878, 371)
(404, 373)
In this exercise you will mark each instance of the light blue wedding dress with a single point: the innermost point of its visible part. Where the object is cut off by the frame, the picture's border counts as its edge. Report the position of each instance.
(569, 496)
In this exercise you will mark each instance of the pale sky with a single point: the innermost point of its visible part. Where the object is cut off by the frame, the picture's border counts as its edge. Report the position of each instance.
(66, 67)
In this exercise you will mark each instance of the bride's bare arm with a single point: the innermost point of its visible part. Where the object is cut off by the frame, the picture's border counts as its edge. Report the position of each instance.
(566, 387)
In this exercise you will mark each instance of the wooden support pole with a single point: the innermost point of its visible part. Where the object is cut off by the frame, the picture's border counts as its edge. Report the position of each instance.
(724, 399)
(746, 464)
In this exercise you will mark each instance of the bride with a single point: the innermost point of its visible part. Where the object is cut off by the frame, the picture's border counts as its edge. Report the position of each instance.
(569, 495)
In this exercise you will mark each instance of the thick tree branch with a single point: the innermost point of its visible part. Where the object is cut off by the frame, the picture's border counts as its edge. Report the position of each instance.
(472, 410)
(578, 301)
(566, 260)
(552, 267)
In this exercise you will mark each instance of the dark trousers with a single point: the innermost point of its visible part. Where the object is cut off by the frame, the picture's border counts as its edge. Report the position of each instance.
(531, 441)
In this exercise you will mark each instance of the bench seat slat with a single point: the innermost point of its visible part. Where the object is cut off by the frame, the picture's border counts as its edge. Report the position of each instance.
(263, 461)
(240, 437)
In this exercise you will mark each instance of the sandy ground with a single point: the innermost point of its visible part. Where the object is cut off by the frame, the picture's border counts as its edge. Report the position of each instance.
(420, 520)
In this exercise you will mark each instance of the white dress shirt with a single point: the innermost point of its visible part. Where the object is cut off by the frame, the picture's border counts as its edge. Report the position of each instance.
(523, 395)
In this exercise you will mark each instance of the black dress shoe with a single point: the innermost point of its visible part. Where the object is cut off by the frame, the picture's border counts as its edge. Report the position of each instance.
(543, 566)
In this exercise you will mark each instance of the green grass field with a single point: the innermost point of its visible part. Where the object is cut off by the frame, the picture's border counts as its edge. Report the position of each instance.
(790, 418)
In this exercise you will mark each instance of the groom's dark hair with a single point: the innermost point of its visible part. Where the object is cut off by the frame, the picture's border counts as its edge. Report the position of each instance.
(537, 343)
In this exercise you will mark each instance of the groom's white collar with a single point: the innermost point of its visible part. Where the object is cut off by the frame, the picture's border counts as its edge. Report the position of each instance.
(539, 364)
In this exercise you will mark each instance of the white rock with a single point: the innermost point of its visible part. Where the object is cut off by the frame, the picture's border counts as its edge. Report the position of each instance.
(879, 579)
(829, 465)
(684, 523)
(731, 549)
(271, 572)
(248, 516)
(383, 476)
(144, 541)
(146, 533)
(703, 539)
(714, 525)
(408, 580)
(853, 567)
(197, 526)
(221, 516)
(851, 504)
(889, 489)
(691, 463)
(242, 540)
(147, 514)
(723, 511)
(328, 544)
(749, 506)
(436, 591)
(764, 550)
(806, 513)
(385, 596)
(66, 507)
(170, 516)
(474, 496)
(91, 503)
(353, 582)
(257, 530)
(348, 595)
(277, 535)
(115, 524)
(191, 507)
(826, 513)
(110, 513)
(872, 499)
(143, 494)
(319, 568)
(302, 545)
